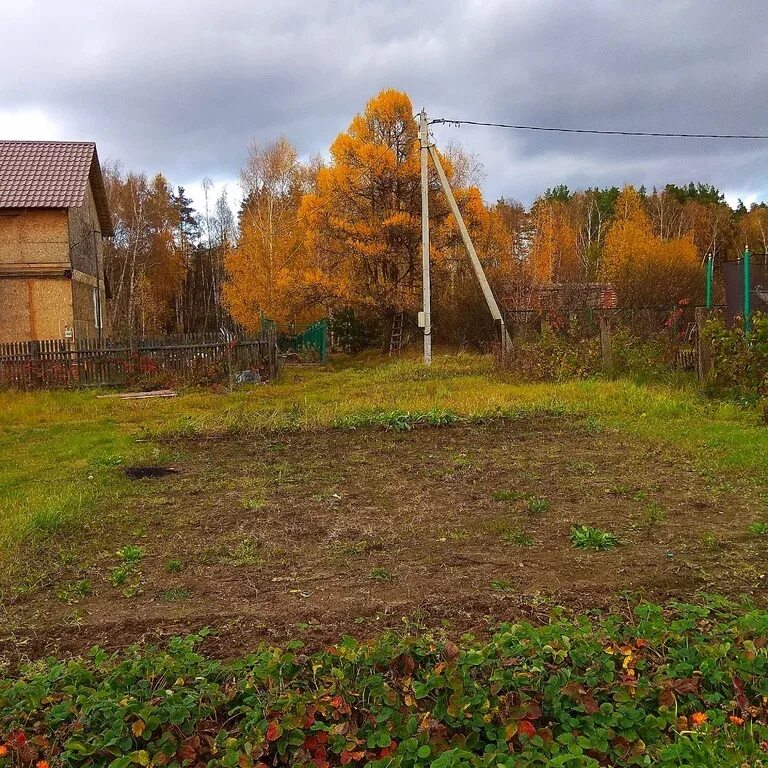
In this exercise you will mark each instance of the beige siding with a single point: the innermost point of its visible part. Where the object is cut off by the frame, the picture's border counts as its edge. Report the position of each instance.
(35, 308)
(83, 310)
(34, 237)
(85, 237)
(87, 254)
(37, 249)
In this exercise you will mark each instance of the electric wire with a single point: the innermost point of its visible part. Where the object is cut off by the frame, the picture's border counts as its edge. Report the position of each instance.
(599, 132)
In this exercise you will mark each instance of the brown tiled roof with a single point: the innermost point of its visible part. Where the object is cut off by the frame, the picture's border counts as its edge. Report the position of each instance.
(52, 174)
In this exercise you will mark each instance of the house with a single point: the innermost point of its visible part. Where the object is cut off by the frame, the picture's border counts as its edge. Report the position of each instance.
(53, 217)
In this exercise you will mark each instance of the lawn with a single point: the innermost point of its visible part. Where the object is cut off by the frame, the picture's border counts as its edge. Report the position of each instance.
(371, 497)
(378, 481)
(58, 450)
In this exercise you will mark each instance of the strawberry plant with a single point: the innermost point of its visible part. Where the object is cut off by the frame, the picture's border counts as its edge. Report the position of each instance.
(681, 685)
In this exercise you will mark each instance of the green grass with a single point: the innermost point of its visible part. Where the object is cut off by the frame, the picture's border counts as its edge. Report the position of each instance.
(61, 452)
(510, 495)
(517, 537)
(380, 574)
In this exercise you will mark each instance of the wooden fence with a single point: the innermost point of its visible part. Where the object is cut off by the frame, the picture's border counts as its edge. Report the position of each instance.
(187, 358)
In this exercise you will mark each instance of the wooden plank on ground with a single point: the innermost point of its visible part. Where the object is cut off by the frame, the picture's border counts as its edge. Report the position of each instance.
(140, 395)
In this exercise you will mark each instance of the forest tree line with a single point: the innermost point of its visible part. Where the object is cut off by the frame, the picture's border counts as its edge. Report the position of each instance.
(322, 236)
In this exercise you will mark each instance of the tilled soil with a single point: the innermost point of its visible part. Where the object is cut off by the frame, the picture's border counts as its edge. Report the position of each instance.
(318, 534)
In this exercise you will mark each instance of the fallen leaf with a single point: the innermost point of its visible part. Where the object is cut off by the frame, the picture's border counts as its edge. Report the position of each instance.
(450, 651)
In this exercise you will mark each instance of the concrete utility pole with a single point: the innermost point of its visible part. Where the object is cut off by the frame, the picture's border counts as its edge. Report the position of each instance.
(478, 267)
(425, 287)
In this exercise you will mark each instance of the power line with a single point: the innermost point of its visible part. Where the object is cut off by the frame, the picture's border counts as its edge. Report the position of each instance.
(446, 121)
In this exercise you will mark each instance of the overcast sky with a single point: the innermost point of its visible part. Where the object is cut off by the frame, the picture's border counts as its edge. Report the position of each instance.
(184, 86)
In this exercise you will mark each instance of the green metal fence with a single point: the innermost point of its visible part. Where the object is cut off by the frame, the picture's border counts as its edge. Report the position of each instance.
(314, 337)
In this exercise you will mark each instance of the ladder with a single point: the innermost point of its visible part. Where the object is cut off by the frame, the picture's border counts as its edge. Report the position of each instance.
(396, 340)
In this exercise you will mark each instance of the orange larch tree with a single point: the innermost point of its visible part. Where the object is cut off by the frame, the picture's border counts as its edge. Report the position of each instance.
(554, 255)
(363, 220)
(645, 269)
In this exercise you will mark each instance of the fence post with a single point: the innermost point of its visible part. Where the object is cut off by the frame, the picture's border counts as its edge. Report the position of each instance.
(231, 363)
(703, 347)
(272, 353)
(35, 365)
(747, 289)
(606, 347)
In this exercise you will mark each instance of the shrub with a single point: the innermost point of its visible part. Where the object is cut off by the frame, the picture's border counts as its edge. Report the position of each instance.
(353, 333)
(553, 355)
(739, 360)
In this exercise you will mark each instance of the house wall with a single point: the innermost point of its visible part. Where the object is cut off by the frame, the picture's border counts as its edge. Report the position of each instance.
(84, 305)
(34, 308)
(34, 237)
(51, 273)
(87, 255)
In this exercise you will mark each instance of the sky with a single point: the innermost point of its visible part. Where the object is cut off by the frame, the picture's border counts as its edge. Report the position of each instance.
(184, 87)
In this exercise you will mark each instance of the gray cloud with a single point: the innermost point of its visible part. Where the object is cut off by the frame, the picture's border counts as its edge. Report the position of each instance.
(183, 87)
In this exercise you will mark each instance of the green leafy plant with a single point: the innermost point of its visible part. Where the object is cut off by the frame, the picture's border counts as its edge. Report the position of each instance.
(501, 585)
(120, 575)
(586, 537)
(759, 528)
(174, 566)
(130, 554)
(653, 514)
(739, 360)
(351, 548)
(380, 574)
(399, 421)
(73, 591)
(246, 552)
(537, 505)
(546, 694)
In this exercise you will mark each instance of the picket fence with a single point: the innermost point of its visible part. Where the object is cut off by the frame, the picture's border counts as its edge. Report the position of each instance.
(89, 362)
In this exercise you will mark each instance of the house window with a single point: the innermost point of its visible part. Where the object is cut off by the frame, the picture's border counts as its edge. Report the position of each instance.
(96, 307)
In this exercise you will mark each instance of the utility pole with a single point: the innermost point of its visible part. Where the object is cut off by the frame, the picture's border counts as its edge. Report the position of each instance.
(478, 267)
(426, 321)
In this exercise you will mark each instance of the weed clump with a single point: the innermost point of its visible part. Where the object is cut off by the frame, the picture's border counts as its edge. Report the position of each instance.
(586, 537)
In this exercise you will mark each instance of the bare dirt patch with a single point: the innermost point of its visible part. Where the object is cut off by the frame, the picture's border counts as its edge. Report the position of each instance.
(324, 533)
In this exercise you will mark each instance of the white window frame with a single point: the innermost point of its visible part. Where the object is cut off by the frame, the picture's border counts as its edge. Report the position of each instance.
(97, 314)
